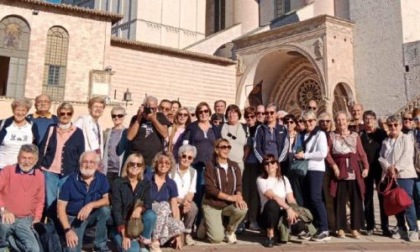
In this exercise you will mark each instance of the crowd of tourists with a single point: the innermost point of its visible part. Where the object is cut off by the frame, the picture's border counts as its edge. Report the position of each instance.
(178, 174)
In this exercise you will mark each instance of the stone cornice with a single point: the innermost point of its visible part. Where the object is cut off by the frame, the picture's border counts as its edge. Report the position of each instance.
(64, 9)
(313, 24)
(146, 47)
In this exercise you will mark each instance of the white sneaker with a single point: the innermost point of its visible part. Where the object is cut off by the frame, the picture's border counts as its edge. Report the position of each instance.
(230, 238)
(189, 241)
(413, 236)
(254, 226)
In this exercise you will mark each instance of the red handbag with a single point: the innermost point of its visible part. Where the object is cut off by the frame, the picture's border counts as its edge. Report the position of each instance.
(396, 199)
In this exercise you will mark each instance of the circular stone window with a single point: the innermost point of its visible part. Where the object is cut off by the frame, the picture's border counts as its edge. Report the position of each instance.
(308, 90)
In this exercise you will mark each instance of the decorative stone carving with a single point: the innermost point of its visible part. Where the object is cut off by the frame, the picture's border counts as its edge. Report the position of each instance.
(309, 90)
(240, 67)
(318, 49)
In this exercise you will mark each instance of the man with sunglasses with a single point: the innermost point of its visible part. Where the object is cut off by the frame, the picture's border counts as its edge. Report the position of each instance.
(147, 131)
(313, 105)
(260, 114)
(270, 137)
(42, 116)
(408, 124)
(165, 107)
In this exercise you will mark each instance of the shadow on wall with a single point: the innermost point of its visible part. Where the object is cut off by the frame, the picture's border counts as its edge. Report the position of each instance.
(284, 20)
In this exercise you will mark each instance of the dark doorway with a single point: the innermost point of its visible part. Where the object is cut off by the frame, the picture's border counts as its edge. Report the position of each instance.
(4, 74)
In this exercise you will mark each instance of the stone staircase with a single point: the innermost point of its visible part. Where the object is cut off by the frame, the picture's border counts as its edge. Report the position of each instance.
(414, 103)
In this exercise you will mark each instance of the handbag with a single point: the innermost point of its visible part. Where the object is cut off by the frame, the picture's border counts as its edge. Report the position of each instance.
(299, 167)
(396, 199)
(135, 226)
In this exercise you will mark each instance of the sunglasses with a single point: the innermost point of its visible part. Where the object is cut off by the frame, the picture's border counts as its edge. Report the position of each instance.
(183, 114)
(186, 157)
(270, 162)
(204, 111)
(300, 121)
(390, 125)
(135, 164)
(309, 121)
(231, 136)
(407, 119)
(289, 122)
(117, 116)
(269, 113)
(66, 113)
(324, 121)
(313, 108)
(167, 109)
(250, 117)
(417, 119)
(260, 113)
(161, 162)
(224, 147)
(192, 114)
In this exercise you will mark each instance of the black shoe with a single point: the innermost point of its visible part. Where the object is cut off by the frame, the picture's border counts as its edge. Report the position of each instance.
(321, 236)
(269, 242)
(386, 233)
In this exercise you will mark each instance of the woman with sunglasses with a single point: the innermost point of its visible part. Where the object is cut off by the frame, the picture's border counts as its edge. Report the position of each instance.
(59, 154)
(312, 146)
(396, 159)
(131, 200)
(290, 122)
(275, 196)
(176, 131)
(350, 165)
(251, 172)
(185, 178)
(164, 194)
(223, 195)
(112, 161)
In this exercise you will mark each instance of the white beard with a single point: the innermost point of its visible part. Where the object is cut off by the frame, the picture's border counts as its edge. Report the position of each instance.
(87, 172)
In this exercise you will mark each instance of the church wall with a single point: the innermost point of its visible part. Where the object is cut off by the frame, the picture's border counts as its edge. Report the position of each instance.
(410, 13)
(378, 54)
(170, 77)
(87, 49)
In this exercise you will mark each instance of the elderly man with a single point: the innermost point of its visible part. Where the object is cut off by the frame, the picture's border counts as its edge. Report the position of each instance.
(84, 201)
(22, 196)
(147, 131)
(356, 123)
(90, 126)
(313, 105)
(42, 116)
(260, 114)
(219, 112)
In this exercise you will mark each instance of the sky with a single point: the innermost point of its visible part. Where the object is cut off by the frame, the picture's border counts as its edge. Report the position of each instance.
(54, 1)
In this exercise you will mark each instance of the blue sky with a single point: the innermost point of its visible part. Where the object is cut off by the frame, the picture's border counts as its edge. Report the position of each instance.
(54, 1)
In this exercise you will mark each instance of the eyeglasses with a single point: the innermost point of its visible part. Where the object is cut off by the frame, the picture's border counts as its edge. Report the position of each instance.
(224, 147)
(309, 121)
(231, 136)
(161, 162)
(313, 108)
(269, 113)
(390, 125)
(407, 119)
(183, 114)
(289, 122)
(324, 121)
(167, 109)
(300, 121)
(135, 164)
(249, 117)
(417, 118)
(204, 111)
(186, 157)
(66, 113)
(192, 114)
(270, 162)
(117, 116)
(260, 113)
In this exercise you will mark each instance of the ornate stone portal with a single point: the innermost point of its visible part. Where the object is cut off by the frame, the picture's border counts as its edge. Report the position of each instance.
(307, 60)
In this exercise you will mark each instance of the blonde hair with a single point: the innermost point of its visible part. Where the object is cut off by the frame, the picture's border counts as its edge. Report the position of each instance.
(159, 156)
(96, 99)
(25, 102)
(130, 158)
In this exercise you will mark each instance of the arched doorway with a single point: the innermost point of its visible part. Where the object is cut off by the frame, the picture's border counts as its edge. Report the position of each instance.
(343, 97)
(14, 49)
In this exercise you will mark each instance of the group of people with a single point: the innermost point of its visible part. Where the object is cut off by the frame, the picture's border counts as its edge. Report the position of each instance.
(179, 173)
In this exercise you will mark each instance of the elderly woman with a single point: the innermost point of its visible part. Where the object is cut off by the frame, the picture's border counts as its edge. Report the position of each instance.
(185, 178)
(131, 200)
(238, 135)
(313, 147)
(223, 195)
(325, 122)
(59, 154)
(164, 194)
(396, 159)
(275, 195)
(112, 161)
(290, 122)
(345, 155)
(16, 131)
(181, 121)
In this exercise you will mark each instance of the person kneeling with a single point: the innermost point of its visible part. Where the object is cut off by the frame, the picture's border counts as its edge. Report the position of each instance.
(223, 195)
(84, 201)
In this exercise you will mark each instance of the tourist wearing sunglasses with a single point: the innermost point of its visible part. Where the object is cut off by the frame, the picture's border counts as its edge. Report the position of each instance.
(176, 131)
(223, 195)
(185, 178)
(112, 162)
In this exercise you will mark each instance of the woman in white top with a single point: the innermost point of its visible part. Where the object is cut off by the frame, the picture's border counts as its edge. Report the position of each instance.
(275, 196)
(314, 148)
(16, 131)
(185, 178)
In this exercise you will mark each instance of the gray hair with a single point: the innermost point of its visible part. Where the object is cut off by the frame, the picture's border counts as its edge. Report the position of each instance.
(118, 108)
(308, 114)
(342, 112)
(323, 115)
(272, 105)
(394, 118)
(98, 159)
(187, 148)
(65, 105)
(150, 98)
(43, 95)
(22, 102)
(29, 148)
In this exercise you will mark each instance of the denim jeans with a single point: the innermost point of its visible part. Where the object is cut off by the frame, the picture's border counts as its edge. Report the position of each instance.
(53, 184)
(410, 213)
(99, 217)
(23, 234)
(312, 189)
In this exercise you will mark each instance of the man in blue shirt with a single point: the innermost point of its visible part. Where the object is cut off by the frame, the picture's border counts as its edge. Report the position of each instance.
(84, 201)
(42, 116)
